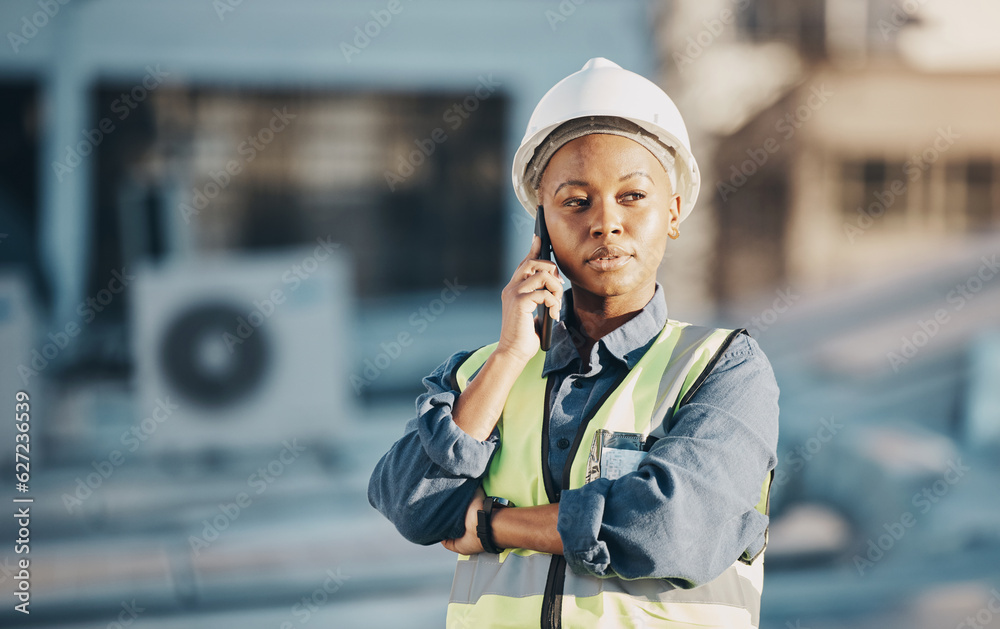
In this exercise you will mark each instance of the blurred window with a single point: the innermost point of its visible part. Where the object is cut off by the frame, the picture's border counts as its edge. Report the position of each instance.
(971, 186)
(410, 184)
(980, 194)
(801, 23)
(19, 181)
(880, 187)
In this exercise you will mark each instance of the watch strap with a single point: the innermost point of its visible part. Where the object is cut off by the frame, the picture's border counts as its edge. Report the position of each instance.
(484, 527)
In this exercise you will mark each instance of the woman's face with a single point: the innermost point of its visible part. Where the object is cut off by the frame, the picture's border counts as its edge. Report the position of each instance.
(609, 208)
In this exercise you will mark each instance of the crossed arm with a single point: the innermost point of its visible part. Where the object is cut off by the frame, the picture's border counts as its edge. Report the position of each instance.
(686, 513)
(534, 528)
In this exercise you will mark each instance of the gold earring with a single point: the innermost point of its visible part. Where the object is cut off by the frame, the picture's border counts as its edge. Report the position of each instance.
(674, 234)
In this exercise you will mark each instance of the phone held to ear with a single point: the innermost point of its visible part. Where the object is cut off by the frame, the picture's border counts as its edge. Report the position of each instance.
(545, 337)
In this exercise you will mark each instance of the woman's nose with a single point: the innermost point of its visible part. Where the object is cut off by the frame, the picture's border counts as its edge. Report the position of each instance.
(607, 218)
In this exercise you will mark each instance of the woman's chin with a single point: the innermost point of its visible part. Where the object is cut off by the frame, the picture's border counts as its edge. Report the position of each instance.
(608, 284)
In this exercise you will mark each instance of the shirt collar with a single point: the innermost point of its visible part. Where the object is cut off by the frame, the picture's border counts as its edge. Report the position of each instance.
(626, 343)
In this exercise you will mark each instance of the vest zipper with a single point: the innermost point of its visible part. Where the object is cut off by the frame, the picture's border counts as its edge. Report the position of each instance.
(556, 580)
(552, 598)
(552, 601)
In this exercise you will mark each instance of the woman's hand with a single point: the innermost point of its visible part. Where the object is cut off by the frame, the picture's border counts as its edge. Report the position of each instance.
(535, 282)
(469, 544)
(536, 528)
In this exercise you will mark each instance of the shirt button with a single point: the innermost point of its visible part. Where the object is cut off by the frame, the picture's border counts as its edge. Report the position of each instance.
(563, 443)
(578, 384)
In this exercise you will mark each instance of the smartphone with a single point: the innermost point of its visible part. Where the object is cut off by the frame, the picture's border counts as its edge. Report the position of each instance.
(545, 254)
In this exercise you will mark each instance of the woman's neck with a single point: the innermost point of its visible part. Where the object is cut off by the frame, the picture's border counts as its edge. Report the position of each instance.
(594, 316)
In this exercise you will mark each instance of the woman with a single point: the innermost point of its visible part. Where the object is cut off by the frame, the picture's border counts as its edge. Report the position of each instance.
(619, 479)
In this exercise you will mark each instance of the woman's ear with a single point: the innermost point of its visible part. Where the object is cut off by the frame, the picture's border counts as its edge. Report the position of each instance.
(675, 216)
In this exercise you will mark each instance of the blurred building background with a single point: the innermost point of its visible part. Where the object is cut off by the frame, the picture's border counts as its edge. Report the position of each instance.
(235, 235)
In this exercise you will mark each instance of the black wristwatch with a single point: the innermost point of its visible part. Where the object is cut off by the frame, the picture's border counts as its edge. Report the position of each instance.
(485, 527)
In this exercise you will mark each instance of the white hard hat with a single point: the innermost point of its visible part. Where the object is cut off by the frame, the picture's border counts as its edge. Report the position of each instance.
(603, 88)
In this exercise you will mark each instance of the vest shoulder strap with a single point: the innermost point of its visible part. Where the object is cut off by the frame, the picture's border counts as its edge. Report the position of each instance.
(711, 364)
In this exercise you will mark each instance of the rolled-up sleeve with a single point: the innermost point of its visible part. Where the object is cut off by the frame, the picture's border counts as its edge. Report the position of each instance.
(425, 481)
(688, 512)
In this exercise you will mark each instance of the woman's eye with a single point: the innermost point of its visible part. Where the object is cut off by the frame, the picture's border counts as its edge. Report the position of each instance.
(576, 202)
(633, 196)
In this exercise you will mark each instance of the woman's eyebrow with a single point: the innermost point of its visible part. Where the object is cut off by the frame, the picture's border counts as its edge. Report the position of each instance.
(578, 182)
(638, 173)
(571, 182)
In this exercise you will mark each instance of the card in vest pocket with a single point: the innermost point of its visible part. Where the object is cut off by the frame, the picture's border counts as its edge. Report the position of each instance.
(615, 454)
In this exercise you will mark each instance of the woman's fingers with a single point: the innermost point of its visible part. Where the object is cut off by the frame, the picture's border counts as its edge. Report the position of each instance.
(541, 297)
(541, 280)
(530, 267)
(540, 289)
(534, 283)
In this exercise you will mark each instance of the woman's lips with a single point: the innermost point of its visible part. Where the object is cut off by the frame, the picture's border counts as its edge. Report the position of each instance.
(609, 258)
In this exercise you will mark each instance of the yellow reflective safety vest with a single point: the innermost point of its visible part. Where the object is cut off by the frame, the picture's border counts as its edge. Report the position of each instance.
(525, 588)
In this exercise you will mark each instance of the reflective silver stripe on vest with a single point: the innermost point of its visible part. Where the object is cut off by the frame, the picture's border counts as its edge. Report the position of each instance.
(525, 576)
(729, 588)
(481, 574)
(691, 339)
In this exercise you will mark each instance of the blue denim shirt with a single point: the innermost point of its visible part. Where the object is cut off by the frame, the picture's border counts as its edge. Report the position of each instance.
(687, 513)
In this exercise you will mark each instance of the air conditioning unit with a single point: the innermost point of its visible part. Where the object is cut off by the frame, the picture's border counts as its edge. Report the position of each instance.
(240, 353)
